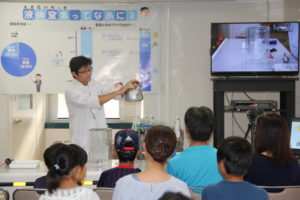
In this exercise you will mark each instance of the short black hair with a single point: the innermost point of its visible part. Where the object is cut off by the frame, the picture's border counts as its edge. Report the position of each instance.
(236, 154)
(79, 61)
(144, 8)
(173, 196)
(200, 122)
(125, 156)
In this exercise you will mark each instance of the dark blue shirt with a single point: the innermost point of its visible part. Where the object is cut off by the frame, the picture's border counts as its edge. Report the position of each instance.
(265, 171)
(109, 177)
(40, 182)
(228, 190)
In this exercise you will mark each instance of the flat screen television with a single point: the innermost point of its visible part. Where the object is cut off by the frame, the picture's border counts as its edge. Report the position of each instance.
(254, 49)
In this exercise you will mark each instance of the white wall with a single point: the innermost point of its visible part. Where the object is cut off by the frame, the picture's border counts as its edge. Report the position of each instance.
(4, 127)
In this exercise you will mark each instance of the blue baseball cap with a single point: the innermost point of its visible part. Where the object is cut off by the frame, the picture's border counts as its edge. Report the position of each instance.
(126, 140)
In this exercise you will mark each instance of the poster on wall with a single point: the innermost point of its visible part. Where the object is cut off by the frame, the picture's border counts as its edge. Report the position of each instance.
(38, 41)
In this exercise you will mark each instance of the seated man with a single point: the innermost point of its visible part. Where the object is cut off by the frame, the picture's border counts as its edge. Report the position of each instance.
(197, 165)
(126, 148)
(234, 158)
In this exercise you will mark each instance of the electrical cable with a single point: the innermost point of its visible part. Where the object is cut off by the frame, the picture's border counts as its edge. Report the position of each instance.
(245, 93)
(233, 116)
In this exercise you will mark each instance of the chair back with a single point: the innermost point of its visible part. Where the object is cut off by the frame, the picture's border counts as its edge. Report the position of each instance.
(194, 195)
(288, 193)
(4, 194)
(104, 193)
(27, 194)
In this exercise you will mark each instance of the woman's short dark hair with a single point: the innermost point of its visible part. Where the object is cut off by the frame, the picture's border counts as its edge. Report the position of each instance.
(79, 61)
(62, 161)
(236, 154)
(160, 142)
(273, 136)
(200, 122)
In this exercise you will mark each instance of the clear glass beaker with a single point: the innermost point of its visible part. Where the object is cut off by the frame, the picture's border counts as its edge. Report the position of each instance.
(258, 41)
(100, 146)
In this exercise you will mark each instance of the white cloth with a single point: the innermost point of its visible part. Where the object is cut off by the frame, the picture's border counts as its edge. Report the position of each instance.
(78, 193)
(130, 188)
(85, 111)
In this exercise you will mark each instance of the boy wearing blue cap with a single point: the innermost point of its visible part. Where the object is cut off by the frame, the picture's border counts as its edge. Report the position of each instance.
(126, 148)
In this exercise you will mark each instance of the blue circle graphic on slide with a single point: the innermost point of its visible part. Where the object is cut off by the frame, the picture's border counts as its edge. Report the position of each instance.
(18, 59)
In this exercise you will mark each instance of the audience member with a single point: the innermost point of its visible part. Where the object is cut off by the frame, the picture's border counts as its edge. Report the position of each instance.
(159, 144)
(234, 158)
(174, 196)
(126, 148)
(68, 168)
(197, 165)
(274, 163)
(41, 182)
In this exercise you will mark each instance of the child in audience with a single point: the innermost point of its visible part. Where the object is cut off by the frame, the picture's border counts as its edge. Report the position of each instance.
(159, 145)
(41, 182)
(274, 163)
(234, 158)
(68, 168)
(126, 148)
(174, 196)
(197, 165)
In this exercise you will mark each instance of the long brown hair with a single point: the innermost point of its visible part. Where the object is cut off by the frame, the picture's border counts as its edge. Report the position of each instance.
(272, 135)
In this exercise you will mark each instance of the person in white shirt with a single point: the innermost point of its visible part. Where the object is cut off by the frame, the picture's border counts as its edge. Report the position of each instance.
(85, 99)
(159, 145)
(67, 169)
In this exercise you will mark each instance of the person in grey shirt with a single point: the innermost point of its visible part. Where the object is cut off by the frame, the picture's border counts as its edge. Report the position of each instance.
(160, 142)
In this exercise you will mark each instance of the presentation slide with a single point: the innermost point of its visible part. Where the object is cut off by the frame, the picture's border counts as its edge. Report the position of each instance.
(38, 41)
(295, 135)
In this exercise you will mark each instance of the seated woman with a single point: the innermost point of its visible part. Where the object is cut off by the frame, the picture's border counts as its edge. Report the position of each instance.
(274, 163)
(159, 145)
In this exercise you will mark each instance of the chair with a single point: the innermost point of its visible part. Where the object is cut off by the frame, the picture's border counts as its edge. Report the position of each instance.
(289, 193)
(27, 194)
(4, 193)
(104, 193)
(194, 195)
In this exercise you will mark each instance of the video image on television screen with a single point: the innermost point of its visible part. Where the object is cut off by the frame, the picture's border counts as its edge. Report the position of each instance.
(255, 47)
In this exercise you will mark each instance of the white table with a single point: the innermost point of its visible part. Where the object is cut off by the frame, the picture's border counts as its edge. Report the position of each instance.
(232, 56)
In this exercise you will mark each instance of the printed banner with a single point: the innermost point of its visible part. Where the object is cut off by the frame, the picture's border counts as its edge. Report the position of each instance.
(38, 41)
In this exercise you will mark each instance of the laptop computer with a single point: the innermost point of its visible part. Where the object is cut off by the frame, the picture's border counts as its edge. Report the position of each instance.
(295, 136)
